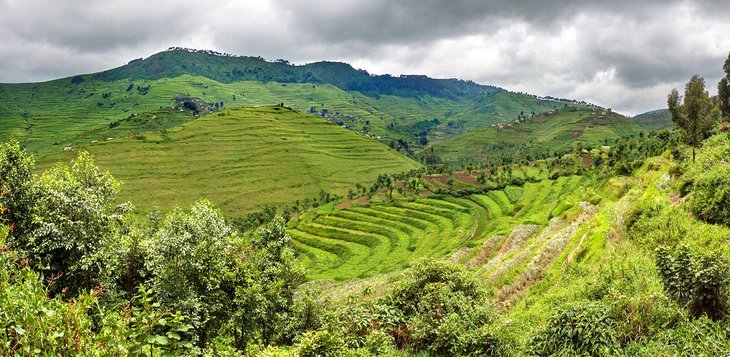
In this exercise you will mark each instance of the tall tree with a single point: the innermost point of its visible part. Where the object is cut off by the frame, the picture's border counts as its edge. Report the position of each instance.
(723, 90)
(693, 116)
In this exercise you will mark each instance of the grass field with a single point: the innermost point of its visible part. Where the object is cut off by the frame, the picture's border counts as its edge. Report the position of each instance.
(364, 241)
(242, 159)
(537, 135)
(48, 116)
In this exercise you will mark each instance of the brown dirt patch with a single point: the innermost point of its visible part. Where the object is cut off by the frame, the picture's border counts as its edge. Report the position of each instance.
(344, 205)
(362, 200)
(443, 179)
(425, 193)
(586, 161)
(467, 178)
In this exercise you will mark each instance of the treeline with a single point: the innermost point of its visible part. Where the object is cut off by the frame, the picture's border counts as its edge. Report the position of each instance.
(127, 283)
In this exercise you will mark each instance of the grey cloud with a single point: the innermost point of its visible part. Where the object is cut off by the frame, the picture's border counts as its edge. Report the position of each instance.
(624, 54)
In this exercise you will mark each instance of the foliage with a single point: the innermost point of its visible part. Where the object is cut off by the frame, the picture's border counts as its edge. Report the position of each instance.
(36, 324)
(444, 311)
(18, 191)
(321, 343)
(723, 90)
(698, 282)
(710, 199)
(69, 221)
(265, 281)
(152, 328)
(583, 328)
(189, 261)
(693, 115)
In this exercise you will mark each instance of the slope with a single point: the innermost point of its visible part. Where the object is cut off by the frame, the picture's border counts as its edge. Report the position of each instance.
(242, 159)
(392, 109)
(535, 136)
(654, 120)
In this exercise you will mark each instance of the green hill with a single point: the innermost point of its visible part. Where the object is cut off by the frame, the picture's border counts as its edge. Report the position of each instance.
(397, 110)
(535, 136)
(655, 120)
(242, 159)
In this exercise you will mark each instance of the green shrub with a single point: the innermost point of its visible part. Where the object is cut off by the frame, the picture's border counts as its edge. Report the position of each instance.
(444, 311)
(698, 282)
(710, 199)
(379, 342)
(321, 344)
(580, 329)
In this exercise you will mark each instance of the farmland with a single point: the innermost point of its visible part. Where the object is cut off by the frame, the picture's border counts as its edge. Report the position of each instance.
(362, 241)
(242, 159)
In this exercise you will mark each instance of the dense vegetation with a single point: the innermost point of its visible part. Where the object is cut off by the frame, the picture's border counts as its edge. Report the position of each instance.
(609, 248)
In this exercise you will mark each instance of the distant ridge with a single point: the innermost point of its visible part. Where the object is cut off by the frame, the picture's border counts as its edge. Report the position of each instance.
(227, 68)
(654, 120)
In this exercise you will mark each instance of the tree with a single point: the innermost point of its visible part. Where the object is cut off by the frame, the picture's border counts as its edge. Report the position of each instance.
(265, 280)
(71, 225)
(189, 264)
(723, 90)
(692, 116)
(17, 190)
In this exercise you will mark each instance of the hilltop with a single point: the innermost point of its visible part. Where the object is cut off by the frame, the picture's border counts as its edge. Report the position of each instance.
(655, 119)
(405, 112)
(242, 159)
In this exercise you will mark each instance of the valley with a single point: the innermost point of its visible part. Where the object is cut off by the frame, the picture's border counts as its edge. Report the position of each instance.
(200, 203)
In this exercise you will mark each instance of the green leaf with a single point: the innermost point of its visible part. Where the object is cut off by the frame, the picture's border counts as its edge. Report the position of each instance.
(158, 340)
(184, 328)
(19, 330)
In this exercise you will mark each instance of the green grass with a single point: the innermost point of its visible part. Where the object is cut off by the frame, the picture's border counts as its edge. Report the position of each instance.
(50, 115)
(242, 159)
(538, 135)
(398, 233)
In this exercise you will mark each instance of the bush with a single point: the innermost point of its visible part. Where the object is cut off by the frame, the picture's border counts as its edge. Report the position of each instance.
(710, 199)
(443, 310)
(321, 344)
(71, 222)
(189, 260)
(586, 328)
(698, 282)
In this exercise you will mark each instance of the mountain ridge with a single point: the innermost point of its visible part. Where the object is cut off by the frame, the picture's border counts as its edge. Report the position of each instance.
(226, 68)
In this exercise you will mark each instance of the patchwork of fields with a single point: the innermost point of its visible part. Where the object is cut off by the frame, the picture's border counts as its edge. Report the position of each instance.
(478, 230)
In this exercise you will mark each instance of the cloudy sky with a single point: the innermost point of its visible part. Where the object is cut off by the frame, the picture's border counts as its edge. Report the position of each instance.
(623, 54)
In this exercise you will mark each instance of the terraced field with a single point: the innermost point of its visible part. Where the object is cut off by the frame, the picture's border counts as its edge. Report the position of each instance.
(363, 241)
(546, 132)
(242, 159)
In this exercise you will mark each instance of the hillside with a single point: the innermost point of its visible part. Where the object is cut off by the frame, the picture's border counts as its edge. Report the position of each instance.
(537, 136)
(364, 241)
(241, 159)
(654, 120)
(400, 111)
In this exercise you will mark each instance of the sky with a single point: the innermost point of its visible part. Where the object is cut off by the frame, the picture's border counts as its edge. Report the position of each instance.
(622, 54)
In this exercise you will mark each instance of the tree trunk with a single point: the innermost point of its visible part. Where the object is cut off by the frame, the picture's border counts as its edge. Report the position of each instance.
(693, 147)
